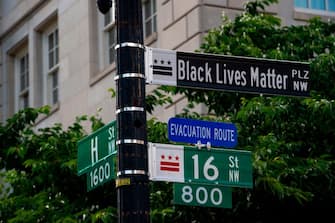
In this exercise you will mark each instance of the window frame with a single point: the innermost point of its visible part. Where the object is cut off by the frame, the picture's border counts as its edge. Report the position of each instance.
(51, 65)
(309, 6)
(106, 44)
(22, 92)
(108, 38)
(151, 18)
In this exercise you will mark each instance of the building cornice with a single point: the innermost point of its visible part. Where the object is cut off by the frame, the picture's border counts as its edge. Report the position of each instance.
(28, 14)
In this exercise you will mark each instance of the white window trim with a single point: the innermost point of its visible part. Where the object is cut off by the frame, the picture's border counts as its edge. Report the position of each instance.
(103, 38)
(316, 11)
(107, 29)
(47, 89)
(151, 18)
(18, 93)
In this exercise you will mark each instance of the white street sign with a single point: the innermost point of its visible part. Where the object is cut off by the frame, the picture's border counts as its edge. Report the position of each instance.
(161, 66)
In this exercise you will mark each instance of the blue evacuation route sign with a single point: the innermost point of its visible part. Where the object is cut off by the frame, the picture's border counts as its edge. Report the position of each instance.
(192, 131)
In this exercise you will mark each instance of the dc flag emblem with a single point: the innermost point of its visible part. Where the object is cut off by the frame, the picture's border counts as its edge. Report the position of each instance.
(166, 162)
(169, 163)
(162, 67)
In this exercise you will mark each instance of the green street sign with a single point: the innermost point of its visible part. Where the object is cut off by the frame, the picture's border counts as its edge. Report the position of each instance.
(102, 172)
(95, 147)
(185, 164)
(202, 195)
(220, 167)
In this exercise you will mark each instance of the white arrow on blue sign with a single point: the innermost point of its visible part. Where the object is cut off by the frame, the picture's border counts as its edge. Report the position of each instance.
(194, 131)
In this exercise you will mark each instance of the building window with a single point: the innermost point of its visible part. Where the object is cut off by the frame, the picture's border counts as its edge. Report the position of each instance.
(110, 35)
(53, 48)
(51, 89)
(149, 17)
(53, 66)
(23, 74)
(325, 5)
(107, 36)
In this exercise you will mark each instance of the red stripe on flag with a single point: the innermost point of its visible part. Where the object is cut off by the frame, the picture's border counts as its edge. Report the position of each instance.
(167, 168)
(169, 163)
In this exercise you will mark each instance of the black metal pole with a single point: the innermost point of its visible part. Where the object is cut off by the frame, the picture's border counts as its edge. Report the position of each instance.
(132, 175)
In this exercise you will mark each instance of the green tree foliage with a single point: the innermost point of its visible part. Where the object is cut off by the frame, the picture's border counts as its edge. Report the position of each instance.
(292, 139)
(41, 174)
(40, 171)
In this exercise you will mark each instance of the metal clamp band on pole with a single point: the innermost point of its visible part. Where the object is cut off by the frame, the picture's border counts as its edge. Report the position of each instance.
(131, 172)
(129, 44)
(131, 75)
(129, 109)
(130, 141)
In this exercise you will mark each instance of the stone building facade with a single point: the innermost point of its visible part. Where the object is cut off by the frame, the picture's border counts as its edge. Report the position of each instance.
(61, 52)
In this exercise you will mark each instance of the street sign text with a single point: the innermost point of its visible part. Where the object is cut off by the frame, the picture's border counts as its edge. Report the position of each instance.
(194, 131)
(227, 73)
(202, 195)
(96, 147)
(175, 163)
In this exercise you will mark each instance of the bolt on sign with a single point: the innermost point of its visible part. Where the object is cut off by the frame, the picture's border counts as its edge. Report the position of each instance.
(97, 156)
